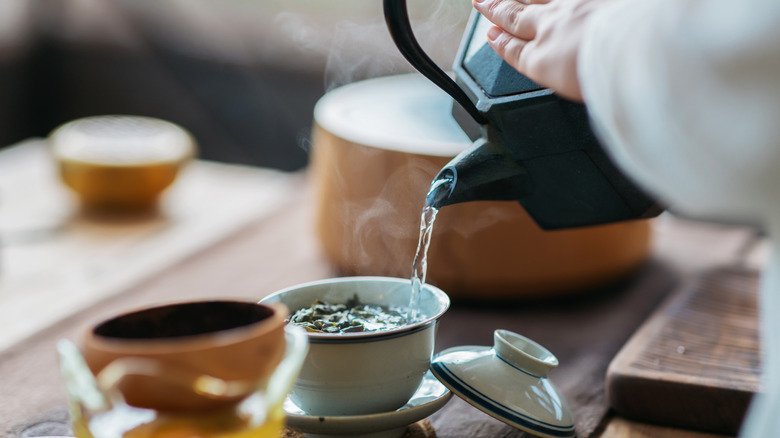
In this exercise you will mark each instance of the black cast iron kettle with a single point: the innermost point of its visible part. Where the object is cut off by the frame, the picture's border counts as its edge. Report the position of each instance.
(529, 144)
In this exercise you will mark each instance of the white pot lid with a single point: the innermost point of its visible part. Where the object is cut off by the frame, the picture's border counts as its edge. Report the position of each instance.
(509, 382)
(405, 113)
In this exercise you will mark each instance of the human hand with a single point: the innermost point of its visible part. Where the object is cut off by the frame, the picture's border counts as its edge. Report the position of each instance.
(540, 38)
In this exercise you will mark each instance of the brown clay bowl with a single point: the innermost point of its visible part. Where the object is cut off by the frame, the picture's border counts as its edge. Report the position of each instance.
(190, 356)
(120, 163)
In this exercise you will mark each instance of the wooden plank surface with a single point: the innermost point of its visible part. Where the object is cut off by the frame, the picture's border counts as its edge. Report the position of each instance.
(273, 252)
(584, 331)
(281, 250)
(55, 262)
(696, 362)
(621, 428)
(278, 249)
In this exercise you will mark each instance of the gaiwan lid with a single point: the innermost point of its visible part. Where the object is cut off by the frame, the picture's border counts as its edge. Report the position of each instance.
(509, 382)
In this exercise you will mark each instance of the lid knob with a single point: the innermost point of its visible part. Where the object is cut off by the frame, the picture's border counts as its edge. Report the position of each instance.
(523, 353)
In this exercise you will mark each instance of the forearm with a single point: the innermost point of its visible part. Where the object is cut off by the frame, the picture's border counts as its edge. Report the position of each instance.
(675, 89)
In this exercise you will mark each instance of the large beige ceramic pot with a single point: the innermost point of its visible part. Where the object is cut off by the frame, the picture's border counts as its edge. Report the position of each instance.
(377, 144)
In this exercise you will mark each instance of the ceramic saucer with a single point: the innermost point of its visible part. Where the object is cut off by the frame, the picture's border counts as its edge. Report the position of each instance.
(429, 398)
(509, 382)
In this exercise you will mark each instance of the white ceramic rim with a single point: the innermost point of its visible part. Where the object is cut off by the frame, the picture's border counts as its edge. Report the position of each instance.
(343, 338)
(329, 113)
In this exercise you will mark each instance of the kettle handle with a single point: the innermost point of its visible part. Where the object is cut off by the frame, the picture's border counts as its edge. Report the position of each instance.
(397, 19)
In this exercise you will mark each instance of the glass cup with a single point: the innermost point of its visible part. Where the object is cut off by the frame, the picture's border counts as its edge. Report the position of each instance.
(184, 377)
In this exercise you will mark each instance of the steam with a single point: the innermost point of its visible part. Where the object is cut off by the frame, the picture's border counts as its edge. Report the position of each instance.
(304, 139)
(372, 54)
(487, 216)
(359, 46)
(390, 220)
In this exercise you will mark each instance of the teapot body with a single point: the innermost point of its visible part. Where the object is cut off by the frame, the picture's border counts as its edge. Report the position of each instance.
(530, 145)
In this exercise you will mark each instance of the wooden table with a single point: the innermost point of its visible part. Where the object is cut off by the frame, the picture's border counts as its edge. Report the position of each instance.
(263, 241)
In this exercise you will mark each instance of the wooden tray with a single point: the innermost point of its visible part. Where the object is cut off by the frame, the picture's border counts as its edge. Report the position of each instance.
(695, 363)
(55, 262)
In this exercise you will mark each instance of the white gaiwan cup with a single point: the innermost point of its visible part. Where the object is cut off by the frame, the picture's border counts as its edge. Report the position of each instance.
(365, 372)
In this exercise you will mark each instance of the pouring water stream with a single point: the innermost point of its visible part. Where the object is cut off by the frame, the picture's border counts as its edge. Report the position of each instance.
(439, 190)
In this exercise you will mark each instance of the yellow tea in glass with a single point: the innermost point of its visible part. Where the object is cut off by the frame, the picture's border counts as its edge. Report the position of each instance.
(206, 369)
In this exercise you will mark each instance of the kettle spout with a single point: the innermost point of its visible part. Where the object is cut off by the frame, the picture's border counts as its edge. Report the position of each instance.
(480, 173)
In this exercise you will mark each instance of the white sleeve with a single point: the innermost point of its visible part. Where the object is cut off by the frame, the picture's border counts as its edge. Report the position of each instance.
(685, 94)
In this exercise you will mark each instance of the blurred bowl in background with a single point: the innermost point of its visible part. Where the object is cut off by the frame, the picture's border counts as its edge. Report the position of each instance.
(377, 144)
(120, 163)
